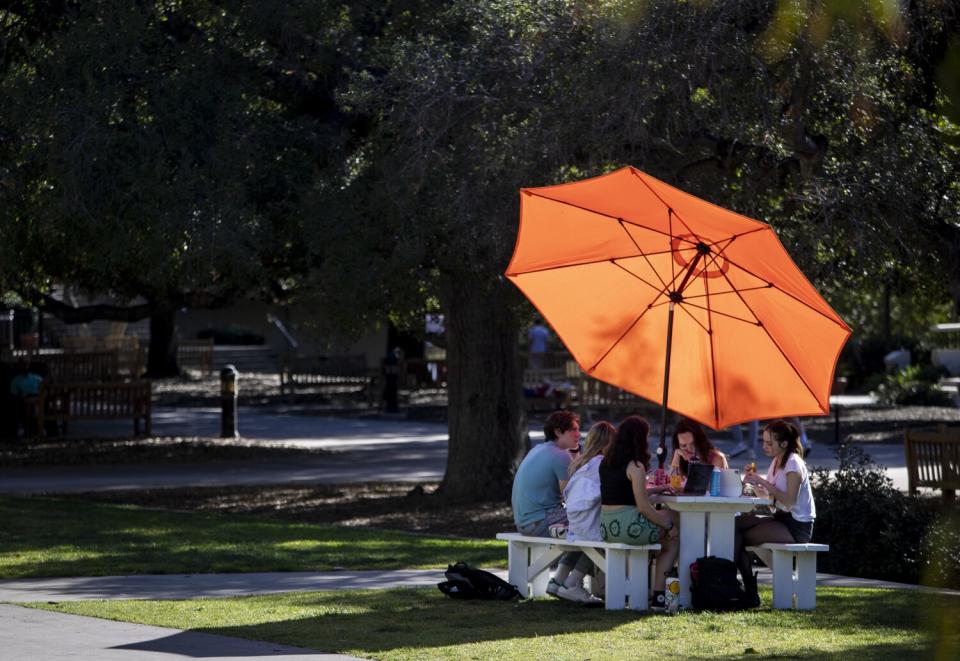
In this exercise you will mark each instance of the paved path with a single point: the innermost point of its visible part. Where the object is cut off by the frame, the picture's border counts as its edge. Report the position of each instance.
(28, 633)
(357, 450)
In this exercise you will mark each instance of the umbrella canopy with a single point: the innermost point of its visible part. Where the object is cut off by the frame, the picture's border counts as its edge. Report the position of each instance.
(608, 261)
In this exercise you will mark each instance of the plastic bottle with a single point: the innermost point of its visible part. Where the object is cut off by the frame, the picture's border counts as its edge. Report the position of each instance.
(676, 479)
(715, 482)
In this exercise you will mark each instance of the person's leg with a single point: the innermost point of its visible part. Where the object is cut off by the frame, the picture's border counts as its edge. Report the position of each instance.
(744, 524)
(768, 531)
(582, 566)
(754, 432)
(666, 558)
(804, 441)
(739, 447)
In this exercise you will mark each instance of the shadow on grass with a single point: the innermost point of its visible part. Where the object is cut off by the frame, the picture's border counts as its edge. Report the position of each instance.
(847, 622)
(51, 537)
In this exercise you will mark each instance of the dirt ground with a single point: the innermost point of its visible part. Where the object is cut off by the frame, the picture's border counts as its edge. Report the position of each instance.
(387, 506)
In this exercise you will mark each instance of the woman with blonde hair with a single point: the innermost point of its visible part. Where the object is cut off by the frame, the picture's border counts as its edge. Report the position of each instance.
(582, 493)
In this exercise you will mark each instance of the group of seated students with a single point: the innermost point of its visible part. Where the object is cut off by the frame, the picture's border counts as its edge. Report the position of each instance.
(599, 491)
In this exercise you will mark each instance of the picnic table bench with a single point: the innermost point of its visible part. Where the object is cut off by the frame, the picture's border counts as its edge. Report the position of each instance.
(933, 460)
(626, 566)
(794, 568)
(62, 402)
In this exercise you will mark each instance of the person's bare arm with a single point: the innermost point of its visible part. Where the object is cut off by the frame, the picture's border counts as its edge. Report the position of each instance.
(638, 480)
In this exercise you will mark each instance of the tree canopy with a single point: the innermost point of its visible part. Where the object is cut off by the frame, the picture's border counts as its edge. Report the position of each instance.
(365, 159)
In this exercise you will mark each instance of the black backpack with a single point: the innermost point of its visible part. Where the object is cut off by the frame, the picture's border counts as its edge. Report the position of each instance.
(714, 585)
(466, 582)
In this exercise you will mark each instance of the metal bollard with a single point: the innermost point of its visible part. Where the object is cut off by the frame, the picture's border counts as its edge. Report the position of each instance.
(228, 402)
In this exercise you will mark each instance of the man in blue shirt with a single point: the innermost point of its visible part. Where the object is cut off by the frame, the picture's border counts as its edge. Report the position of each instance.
(537, 500)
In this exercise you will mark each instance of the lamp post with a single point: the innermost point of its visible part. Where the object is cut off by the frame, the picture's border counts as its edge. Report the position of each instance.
(228, 402)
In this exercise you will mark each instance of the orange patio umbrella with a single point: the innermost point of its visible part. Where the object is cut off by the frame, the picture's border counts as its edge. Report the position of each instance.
(677, 300)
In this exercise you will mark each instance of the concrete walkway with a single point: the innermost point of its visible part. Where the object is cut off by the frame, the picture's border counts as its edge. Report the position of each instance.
(355, 450)
(28, 633)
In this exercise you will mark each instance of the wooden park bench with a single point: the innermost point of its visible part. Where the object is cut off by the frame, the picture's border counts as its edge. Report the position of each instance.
(80, 367)
(626, 567)
(535, 379)
(933, 460)
(331, 373)
(62, 402)
(600, 399)
(794, 568)
(196, 354)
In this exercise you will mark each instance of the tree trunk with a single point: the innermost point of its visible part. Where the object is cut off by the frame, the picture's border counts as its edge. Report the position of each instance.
(487, 423)
(162, 355)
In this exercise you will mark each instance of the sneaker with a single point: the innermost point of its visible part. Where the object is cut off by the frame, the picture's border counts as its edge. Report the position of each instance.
(553, 588)
(807, 450)
(739, 449)
(578, 594)
(658, 604)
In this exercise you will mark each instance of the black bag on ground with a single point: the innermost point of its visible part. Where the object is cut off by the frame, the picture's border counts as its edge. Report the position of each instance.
(714, 585)
(466, 582)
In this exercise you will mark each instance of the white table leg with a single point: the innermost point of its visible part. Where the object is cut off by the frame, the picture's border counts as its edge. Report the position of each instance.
(720, 534)
(691, 547)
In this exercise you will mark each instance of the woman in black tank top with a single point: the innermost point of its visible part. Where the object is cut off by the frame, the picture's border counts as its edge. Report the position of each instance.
(626, 514)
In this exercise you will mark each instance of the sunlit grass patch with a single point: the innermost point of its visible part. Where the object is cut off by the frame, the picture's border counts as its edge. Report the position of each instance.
(60, 537)
(401, 625)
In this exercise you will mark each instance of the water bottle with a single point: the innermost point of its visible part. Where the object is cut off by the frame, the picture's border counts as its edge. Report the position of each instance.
(715, 482)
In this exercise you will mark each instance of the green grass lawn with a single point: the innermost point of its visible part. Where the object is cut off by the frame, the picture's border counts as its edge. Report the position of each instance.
(399, 625)
(59, 537)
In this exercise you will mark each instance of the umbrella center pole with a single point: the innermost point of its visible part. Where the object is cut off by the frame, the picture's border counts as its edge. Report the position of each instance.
(675, 297)
(662, 448)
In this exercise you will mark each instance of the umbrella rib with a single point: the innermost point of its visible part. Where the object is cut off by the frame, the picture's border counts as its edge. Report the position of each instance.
(643, 254)
(659, 290)
(617, 341)
(699, 323)
(612, 217)
(585, 263)
(721, 293)
(723, 314)
(769, 283)
(636, 173)
(775, 343)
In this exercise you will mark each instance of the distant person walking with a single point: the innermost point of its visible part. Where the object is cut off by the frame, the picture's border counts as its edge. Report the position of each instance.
(537, 339)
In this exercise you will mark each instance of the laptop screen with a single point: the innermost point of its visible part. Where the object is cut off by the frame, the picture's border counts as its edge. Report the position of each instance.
(698, 479)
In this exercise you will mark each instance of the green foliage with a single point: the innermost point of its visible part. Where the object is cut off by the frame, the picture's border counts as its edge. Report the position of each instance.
(914, 385)
(876, 531)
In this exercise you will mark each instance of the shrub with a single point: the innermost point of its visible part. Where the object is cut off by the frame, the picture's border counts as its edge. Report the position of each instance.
(914, 385)
(876, 531)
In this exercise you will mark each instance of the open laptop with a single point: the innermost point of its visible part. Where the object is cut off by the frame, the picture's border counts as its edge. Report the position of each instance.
(698, 479)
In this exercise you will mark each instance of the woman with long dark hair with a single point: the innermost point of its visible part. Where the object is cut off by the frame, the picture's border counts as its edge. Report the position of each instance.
(787, 482)
(690, 443)
(626, 514)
